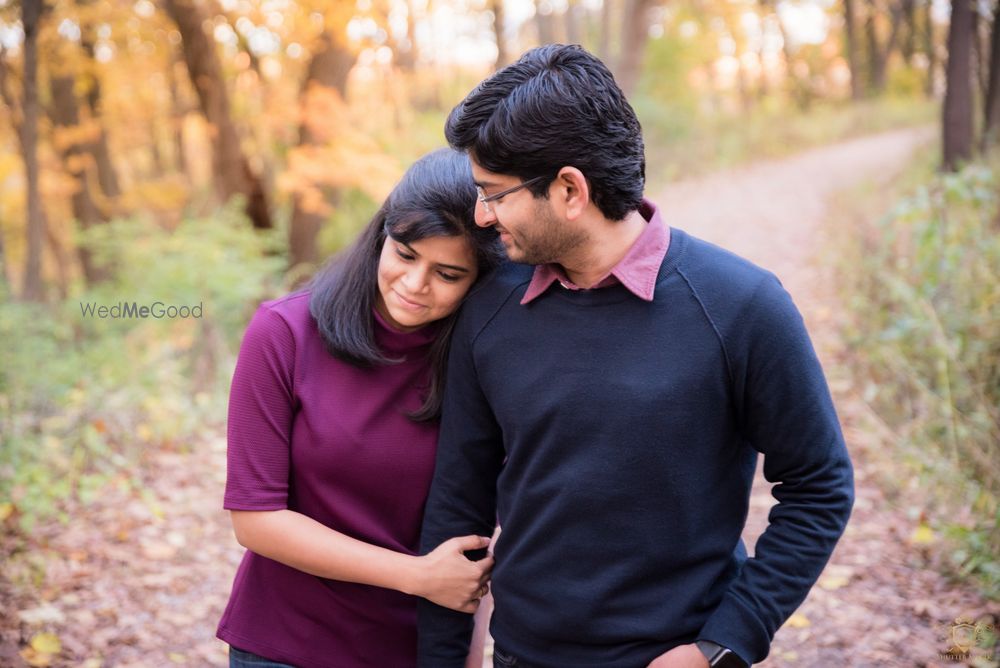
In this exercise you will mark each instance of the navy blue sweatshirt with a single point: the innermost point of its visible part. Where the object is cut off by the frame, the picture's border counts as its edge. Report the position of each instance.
(615, 440)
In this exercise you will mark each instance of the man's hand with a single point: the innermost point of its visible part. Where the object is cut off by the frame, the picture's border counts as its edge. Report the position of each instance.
(683, 656)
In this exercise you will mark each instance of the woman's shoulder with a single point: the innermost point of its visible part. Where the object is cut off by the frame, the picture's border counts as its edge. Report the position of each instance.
(286, 317)
(292, 308)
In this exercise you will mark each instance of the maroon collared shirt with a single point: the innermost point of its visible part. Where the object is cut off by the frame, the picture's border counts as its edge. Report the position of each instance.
(637, 270)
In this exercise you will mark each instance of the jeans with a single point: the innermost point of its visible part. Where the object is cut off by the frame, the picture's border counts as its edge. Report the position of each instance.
(501, 659)
(241, 659)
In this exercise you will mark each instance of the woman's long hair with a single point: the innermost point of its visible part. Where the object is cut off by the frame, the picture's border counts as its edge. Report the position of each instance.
(435, 198)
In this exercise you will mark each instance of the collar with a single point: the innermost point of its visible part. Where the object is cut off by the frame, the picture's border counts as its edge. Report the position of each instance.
(637, 270)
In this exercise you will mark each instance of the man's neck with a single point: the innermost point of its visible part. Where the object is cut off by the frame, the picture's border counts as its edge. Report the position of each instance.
(609, 241)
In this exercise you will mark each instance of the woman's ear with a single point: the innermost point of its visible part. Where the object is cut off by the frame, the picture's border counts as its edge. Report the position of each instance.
(571, 192)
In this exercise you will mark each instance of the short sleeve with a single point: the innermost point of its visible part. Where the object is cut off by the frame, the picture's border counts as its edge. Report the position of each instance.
(261, 409)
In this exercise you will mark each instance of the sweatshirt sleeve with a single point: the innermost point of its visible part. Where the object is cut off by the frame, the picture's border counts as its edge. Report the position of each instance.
(462, 499)
(788, 416)
(261, 410)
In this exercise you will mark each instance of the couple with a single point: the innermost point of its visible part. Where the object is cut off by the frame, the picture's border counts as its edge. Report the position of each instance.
(606, 405)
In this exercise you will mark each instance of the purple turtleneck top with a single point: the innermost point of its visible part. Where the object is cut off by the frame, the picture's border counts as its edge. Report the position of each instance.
(316, 435)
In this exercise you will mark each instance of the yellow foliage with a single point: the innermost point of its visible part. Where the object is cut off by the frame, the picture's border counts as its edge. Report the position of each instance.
(354, 161)
(922, 535)
(42, 650)
(6, 510)
(798, 621)
(161, 195)
(833, 582)
(65, 137)
(47, 643)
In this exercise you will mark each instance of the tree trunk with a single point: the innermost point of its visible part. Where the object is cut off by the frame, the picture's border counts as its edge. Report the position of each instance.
(575, 22)
(635, 34)
(544, 22)
(604, 43)
(871, 37)
(233, 175)
(930, 47)
(65, 115)
(909, 45)
(31, 14)
(957, 116)
(991, 103)
(107, 177)
(405, 49)
(879, 56)
(852, 48)
(177, 113)
(326, 75)
(503, 57)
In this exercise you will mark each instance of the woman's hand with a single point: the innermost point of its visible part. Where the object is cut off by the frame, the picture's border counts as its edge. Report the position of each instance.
(450, 579)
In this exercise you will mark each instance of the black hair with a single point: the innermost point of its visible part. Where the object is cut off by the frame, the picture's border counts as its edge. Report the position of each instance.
(557, 106)
(435, 198)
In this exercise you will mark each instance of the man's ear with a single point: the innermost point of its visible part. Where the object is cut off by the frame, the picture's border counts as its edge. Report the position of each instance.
(570, 193)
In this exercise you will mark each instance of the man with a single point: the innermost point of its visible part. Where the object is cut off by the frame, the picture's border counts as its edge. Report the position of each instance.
(607, 405)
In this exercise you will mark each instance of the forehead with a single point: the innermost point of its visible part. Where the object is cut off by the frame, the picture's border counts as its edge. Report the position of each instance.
(445, 250)
(483, 176)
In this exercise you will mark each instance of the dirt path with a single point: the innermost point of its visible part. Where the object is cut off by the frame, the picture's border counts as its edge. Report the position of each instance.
(143, 580)
(878, 603)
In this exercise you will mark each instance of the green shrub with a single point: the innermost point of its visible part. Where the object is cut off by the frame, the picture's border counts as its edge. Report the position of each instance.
(925, 333)
(82, 397)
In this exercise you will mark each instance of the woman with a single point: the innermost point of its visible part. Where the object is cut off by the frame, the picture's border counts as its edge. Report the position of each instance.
(332, 432)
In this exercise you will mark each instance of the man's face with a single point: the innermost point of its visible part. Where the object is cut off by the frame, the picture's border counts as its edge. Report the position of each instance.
(529, 227)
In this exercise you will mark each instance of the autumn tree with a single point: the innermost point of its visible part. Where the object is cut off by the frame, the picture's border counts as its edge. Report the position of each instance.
(503, 57)
(31, 16)
(957, 116)
(852, 47)
(326, 78)
(635, 34)
(991, 101)
(77, 140)
(231, 168)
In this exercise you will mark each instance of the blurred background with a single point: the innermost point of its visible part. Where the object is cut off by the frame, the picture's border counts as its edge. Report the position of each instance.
(209, 154)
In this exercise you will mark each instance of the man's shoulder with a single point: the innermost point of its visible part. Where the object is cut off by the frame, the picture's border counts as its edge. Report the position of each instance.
(706, 261)
(498, 287)
(506, 284)
(727, 286)
(709, 268)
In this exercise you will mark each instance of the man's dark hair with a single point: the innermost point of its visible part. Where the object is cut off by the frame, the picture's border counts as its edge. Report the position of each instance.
(435, 198)
(557, 106)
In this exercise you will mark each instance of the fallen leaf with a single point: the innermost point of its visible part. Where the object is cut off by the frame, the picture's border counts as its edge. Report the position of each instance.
(798, 621)
(832, 582)
(46, 643)
(158, 551)
(6, 510)
(144, 432)
(922, 535)
(36, 659)
(41, 615)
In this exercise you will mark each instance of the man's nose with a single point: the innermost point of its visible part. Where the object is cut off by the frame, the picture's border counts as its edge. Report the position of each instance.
(483, 217)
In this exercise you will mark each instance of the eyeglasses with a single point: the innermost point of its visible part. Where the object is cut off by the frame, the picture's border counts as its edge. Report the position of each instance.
(485, 201)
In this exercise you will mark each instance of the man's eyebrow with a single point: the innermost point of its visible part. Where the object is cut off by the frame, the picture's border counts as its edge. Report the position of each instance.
(453, 267)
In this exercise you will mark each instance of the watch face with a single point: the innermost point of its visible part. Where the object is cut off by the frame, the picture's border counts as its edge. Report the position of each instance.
(727, 659)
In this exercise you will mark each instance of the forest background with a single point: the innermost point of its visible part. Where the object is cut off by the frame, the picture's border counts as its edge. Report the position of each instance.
(213, 153)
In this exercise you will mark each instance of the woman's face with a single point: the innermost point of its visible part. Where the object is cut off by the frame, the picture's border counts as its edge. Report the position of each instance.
(425, 280)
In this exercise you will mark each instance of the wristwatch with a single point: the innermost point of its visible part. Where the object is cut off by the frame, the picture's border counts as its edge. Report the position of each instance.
(719, 656)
